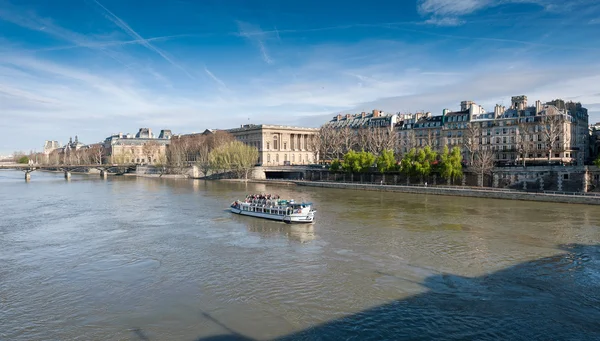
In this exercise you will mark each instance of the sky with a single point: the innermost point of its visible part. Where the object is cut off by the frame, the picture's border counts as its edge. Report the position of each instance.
(96, 67)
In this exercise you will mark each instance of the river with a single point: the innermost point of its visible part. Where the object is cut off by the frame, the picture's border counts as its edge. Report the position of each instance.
(156, 259)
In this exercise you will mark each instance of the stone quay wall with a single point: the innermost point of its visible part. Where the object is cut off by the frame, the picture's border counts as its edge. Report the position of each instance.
(489, 193)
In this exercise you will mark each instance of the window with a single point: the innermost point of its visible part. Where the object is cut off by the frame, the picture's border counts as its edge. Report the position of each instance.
(284, 145)
(268, 145)
(268, 158)
(277, 158)
(293, 158)
(566, 176)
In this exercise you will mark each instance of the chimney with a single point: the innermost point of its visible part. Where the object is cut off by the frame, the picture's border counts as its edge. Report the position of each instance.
(363, 114)
(338, 117)
(348, 116)
(538, 107)
(375, 113)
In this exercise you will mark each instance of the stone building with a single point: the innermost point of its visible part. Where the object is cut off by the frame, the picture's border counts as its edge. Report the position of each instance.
(513, 133)
(50, 146)
(279, 145)
(143, 148)
(594, 132)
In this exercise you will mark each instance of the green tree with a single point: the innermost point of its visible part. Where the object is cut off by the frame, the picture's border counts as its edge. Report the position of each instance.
(407, 166)
(23, 159)
(450, 166)
(234, 156)
(424, 162)
(335, 165)
(597, 161)
(358, 161)
(386, 161)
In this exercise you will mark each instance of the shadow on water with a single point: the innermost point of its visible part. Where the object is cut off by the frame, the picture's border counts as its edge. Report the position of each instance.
(552, 298)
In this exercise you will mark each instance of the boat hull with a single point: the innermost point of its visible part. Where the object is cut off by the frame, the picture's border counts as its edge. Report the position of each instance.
(290, 219)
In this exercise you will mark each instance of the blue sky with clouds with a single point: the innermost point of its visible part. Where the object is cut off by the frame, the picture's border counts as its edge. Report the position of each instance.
(96, 67)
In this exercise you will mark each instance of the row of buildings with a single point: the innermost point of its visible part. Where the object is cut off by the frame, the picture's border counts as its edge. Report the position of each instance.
(558, 131)
(555, 130)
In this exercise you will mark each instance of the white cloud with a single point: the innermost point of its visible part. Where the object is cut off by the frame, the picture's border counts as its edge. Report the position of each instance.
(257, 36)
(444, 21)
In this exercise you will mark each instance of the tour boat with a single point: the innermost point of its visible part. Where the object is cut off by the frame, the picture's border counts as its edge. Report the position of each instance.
(273, 208)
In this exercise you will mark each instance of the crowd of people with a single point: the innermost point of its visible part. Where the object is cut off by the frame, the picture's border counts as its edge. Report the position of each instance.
(253, 197)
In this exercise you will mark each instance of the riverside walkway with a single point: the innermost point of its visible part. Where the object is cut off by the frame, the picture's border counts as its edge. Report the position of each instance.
(477, 192)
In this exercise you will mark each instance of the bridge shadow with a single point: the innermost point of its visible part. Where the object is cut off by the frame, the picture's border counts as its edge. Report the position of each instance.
(552, 298)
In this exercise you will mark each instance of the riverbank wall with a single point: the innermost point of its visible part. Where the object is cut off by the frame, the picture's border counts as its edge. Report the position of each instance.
(588, 199)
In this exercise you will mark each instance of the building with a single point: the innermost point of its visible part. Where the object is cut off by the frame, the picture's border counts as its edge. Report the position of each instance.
(279, 145)
(375, 119)
(143, 148)
(594, 132)
(521, 131)
(50, 146)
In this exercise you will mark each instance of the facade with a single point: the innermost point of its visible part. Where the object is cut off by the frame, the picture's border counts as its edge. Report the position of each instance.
(594, 132)
(557, 131)
(50, 146)
(521, 131)
(279, 145)
(143, 148)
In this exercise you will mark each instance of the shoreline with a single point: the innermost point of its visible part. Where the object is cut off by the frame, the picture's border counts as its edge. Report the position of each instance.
(472, 192)
(487, 193)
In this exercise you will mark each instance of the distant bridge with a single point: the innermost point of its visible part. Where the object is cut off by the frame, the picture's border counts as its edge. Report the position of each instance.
(67, 169)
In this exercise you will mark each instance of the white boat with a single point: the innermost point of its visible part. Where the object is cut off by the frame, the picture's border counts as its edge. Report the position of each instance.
(287, 211)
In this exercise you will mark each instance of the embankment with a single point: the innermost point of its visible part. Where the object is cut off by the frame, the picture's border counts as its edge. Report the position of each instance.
(462, 192)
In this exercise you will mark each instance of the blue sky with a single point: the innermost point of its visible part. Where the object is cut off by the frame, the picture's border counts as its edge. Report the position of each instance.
(96, 67)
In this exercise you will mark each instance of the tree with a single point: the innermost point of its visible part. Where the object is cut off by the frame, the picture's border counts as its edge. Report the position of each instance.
(23, 159)
(597, 161)
(244, 157)
(471, 139)
(423, 161)
(524, 139)
(407, 164)
(335, 165)
(386, 161)
(161, 163)
(97, 153)
(203, 159)
(380, 139)
(234, 156)
(347, 139)
(150, 149)
(176, 157)
(358, 161)
(450, 164)
(483, 163)
(552, 127)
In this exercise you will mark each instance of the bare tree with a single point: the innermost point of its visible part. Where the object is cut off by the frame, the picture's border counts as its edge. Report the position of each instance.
(380, 139)
(483, 163)
(203, 159)
(150, 149)
(347, 139)
(97, 154)
(472, 140)
(176, 157)
(524, 139)
(551, 128)
(362, 138)
(315, 145)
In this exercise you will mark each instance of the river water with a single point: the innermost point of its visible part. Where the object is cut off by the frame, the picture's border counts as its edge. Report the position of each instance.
(156, 259)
